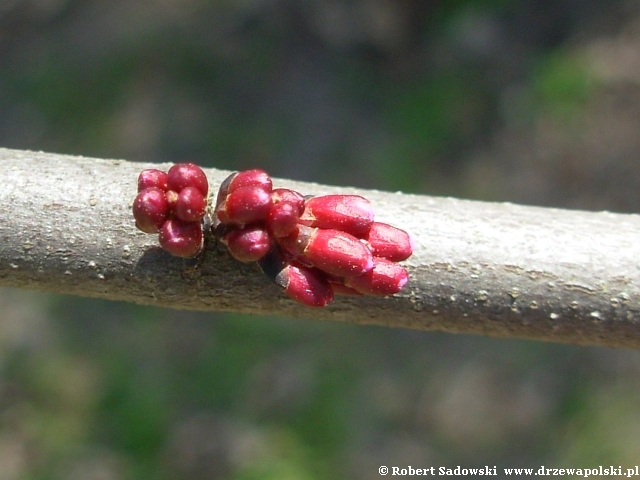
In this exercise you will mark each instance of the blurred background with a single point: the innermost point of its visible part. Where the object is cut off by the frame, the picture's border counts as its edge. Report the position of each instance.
(530, 101)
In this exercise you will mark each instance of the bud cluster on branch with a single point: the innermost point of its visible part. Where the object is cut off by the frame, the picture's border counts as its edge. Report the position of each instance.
(313, 247)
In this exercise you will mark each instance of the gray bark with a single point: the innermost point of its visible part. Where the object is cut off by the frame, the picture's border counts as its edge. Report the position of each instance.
(485, 268)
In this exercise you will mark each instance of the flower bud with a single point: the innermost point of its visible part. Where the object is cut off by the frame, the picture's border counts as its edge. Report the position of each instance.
(350, 213)
(246, 178)
(182, 239)
(389, 242)
(386, 278)
(283, 219)
(183, 175)
(306, 285)
(245, 205)
(152, 178)
(150, 209)
(303, 284)
(190, 205)
(332, 251)
(248, 244)
(283, 216)
(287, 195)
(251, 178)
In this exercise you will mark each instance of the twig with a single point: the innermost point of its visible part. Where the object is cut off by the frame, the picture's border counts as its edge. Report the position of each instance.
(485, 268)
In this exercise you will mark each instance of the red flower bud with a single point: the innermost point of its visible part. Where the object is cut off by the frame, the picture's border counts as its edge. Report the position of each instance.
(287, 195)
(182, 239)
(332, 251)
(183, 175)
(287, 207)
(303, 284)
(248, 244)
(152, 178)
(350, 213)
(306, 285)
(250, 178)
(245, 205)
(247, 178)
(283, 219)
(386, 278)
(190, 205)
(150, 209)
(389, 242)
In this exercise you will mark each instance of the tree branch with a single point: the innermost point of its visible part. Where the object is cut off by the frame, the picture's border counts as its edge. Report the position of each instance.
(485, 268)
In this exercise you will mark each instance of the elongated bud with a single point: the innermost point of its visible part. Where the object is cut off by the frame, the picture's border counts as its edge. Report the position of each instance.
(248, 244)
(350, 213)
(332, 251)
(245, 205)
(306, 285)
(303, 284)
(386, 278)
(389, 242)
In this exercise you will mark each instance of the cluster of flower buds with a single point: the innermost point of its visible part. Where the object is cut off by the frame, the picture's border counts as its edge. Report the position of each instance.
(312, 247)
(172, 204)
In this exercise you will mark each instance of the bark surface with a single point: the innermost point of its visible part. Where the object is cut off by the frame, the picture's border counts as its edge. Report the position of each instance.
(484, 268)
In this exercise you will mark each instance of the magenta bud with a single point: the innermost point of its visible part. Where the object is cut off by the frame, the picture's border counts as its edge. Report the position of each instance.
(350, 213)
(245, 205)
(332, 251)
(306, 285)
(182, 239)
(190, 205)
(250, 178)
(183, 175)
(248, 244)
(386, 278)
(283, 218)
(287, 207)
(290, 196)
(150, 209)
(389, 242)
(152, 178)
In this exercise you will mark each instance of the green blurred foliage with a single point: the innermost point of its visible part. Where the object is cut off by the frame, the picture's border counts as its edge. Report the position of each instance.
(561, 85)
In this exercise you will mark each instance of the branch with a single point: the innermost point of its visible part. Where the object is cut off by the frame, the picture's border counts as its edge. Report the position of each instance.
(485, 268)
